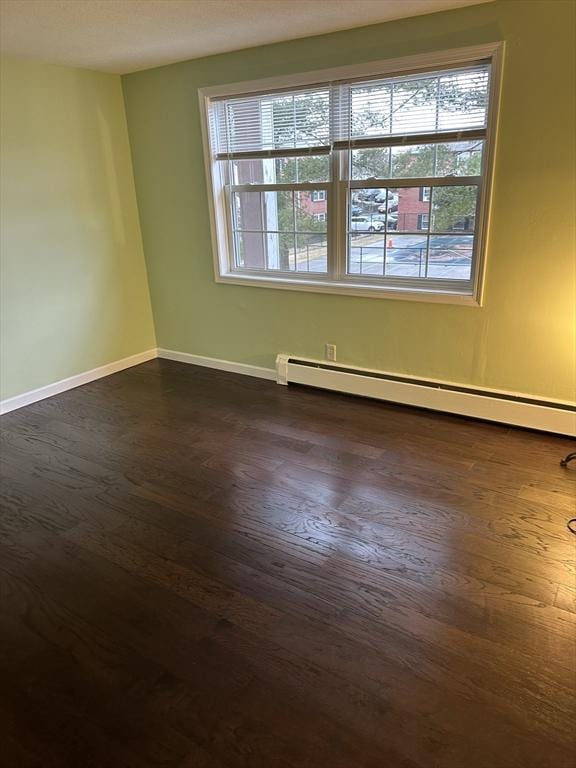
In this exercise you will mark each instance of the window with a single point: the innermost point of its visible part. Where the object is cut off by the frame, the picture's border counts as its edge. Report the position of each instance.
(366, 182)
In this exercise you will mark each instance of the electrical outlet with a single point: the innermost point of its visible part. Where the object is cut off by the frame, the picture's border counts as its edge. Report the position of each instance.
(330, 352)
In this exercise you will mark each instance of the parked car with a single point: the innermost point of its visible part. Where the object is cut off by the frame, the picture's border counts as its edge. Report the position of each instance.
(367, 195)
(392, 206)
(363, 224)
(390, 220)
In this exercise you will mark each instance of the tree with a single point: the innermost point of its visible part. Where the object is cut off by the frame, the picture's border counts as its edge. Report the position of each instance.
(302, 169)
(453, 208)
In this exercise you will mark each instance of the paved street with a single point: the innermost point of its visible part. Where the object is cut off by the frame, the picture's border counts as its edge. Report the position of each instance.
(450, 256)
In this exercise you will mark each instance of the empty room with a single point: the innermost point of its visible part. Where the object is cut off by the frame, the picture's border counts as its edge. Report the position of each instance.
(288, 384)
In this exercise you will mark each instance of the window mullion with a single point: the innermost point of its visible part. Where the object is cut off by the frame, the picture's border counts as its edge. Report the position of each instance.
(332, 229)
(339, 127)
(339, 218)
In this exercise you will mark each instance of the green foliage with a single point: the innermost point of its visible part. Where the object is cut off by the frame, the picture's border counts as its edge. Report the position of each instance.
(417, 161)
(371, 163)
(450, 205)
(302, 169)
(305, 222)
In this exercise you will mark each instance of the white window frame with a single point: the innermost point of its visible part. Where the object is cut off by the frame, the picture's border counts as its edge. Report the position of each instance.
(318, 196)
(222, 248)
(423, 221)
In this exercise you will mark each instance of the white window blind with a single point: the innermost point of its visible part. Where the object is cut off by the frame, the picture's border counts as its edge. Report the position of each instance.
(374, 182)
(273, 123)
(363, 113)
(409, 107)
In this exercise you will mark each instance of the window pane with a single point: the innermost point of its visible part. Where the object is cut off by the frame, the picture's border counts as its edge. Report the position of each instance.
(281, 230)
(408, 209)
(261, 211)
(413, 162)
(239, 250)
(450, 256)
(271, 251)
(248, 211)
(250, 250)
(251, 171)
(370, 163)
(394, 209)
(311, 211)
(365, 253)
(366, 231)
(280, 250)
(459, 158)
(280, 170)
(291, 170)
(369, 223)
(454, 209)
(311, 253)
(406, 255)
(370, 203)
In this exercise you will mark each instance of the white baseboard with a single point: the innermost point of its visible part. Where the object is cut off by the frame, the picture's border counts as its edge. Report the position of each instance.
(543, 415)
(220, 365)
(27, 398)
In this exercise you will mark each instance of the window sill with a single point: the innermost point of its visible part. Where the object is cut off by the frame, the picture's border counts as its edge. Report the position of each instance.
(349, 289)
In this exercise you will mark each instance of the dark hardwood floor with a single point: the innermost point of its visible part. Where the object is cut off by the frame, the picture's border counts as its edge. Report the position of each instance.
(203, 570)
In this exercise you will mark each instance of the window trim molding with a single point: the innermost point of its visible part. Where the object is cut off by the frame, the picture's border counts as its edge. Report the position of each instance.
(220, 238)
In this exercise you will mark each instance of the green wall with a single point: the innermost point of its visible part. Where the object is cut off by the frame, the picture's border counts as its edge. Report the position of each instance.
(74, 287)
(522, 339)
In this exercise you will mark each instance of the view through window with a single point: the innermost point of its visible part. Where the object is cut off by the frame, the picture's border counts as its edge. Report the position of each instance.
(375, 182)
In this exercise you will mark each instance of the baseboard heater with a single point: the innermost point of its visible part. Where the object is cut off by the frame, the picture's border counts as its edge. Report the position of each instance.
(505, 407)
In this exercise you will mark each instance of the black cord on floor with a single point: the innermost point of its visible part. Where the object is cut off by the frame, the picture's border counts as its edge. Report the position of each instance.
(571, 524)
(566, 459)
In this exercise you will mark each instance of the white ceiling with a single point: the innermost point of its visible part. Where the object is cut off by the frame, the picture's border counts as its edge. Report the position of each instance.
(128, 35)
